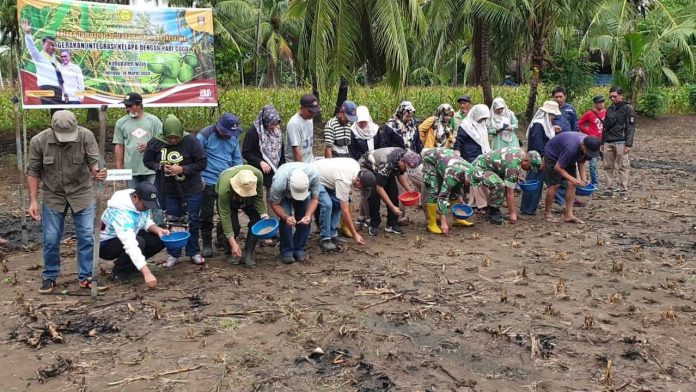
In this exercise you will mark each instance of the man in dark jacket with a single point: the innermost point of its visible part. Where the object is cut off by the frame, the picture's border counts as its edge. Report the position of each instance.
(617, 136)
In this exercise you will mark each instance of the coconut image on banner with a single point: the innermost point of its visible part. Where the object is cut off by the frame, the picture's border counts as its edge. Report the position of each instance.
(78, 54)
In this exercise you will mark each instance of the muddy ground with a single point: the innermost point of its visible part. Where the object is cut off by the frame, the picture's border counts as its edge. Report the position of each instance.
(604, 306)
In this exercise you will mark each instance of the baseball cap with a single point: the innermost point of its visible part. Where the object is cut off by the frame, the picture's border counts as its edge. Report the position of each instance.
(598, 99)
(534, 158)
(464, 98)
(349, 109)
(148, 194)
(592, 144)
(299, 185)
(132, 99)
(310, 102)
(229, 125)
(244, 183)
(64, 125)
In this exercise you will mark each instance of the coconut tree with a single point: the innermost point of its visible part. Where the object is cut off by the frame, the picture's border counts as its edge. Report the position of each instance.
(644, 43)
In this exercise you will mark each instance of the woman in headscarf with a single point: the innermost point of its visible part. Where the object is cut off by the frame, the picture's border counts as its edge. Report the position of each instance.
(436, 131)
(401, 130)
(472, 141)
(539, 132)
(502, 125)
(263, 145)
(365, 133)
(178, 159)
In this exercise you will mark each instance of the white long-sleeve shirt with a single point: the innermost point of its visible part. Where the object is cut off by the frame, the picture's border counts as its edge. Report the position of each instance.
(45, 69)
(122, 220)
(73, 81)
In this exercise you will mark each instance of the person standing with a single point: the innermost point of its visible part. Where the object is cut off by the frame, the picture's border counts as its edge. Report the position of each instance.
(437, 131)
(472, 141)
(539, 132)
(402, 130)
(592, 123)
(338, 176)
(502, 125)
(48, 75)
(617, 136)
(365, 132)
(564, 156)
(220, 142)
(64, 158)
(131, 134)
(337, 132)
(73, 79)
(178, 158)
(300, 131)
(128, 234)
(464, 103)
(240, 188)
(294, 197)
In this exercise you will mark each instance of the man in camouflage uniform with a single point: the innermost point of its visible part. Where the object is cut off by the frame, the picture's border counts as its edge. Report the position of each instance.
(445, 175)
(501, 170)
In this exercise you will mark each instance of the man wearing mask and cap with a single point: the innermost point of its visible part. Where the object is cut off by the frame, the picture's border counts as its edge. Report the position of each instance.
(294, 197)
(337, 132)
(501, 170)
(338, 177)
(64, 159)
(221, 144)
(300, 131)
(128, 235)
(240, 188)
(464, 106)
(178, 159)
(562, 155)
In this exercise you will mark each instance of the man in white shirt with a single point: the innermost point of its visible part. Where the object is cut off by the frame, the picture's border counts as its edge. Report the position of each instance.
(48, 76)
(73, 79)
(300, 131)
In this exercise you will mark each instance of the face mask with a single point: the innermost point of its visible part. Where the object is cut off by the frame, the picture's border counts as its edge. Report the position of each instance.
(132, 115)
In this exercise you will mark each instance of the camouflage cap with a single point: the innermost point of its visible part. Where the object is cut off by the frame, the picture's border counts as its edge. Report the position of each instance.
(534, 158)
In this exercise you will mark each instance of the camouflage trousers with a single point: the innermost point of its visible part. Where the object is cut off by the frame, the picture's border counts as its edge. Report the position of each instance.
(496, 188)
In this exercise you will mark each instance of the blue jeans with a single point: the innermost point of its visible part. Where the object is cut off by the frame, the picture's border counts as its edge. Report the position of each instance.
(594, 177)
(294, 244)
(157, 214)
(530, 200)
(53, 223)
(329, 213)
(174, 208)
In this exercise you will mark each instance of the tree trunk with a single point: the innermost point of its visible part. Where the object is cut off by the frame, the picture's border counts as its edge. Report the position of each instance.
(318, 115)
(475, 78)
(342, 95)
(537, 64)
(485, 62)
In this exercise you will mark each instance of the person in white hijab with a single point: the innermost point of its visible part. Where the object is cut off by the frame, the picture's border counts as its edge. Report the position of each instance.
(502, 125)
(539, 132)
(364, 133)
(472, 141)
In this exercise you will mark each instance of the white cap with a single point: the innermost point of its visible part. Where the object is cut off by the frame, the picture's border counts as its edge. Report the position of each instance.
(299, 185)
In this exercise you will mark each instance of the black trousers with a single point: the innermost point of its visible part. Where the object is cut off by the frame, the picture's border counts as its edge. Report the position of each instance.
(374, 202)
(250, 212)
(208, 213)
(149, 243)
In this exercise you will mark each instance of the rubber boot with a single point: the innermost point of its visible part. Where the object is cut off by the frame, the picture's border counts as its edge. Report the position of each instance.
(431, 214)
(343, 229)
(460, 222)
(249, 246)
(207, 239)
(494, 216)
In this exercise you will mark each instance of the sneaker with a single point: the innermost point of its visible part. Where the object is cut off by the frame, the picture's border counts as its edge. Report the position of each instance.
(171, 262)
(198, 260)
(361, 222)
(338, 240)
(623, 195)
(328, 245)
(395, 229)
(47, 286)
(287, 259)
(607, 193)
(373, 231)
(300, 257)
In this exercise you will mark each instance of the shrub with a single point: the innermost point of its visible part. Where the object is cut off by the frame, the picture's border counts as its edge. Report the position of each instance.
(653, 103)
(572, 71)
(690, 90)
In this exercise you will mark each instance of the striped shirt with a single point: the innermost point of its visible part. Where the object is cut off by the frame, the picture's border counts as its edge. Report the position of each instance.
(338, 136)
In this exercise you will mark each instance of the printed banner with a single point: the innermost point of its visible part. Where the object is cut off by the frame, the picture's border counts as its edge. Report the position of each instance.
(81, 54)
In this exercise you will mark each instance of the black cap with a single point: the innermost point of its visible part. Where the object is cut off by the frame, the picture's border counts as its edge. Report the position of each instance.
(310, 102)
(132, 99)
(148, 193)
(592, 145)
(464, 98)
(598, 99)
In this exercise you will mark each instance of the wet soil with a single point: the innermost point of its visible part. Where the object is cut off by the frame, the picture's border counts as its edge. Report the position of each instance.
(604, 306)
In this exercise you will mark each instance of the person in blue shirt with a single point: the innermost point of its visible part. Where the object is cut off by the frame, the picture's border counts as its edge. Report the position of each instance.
(221, 142)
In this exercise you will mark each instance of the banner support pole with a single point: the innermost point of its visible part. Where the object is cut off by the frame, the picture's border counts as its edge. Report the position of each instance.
(20, 169)
(98, 205)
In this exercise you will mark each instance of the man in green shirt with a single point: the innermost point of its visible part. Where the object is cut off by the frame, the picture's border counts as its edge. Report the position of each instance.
(464, 106)
(240, 188)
